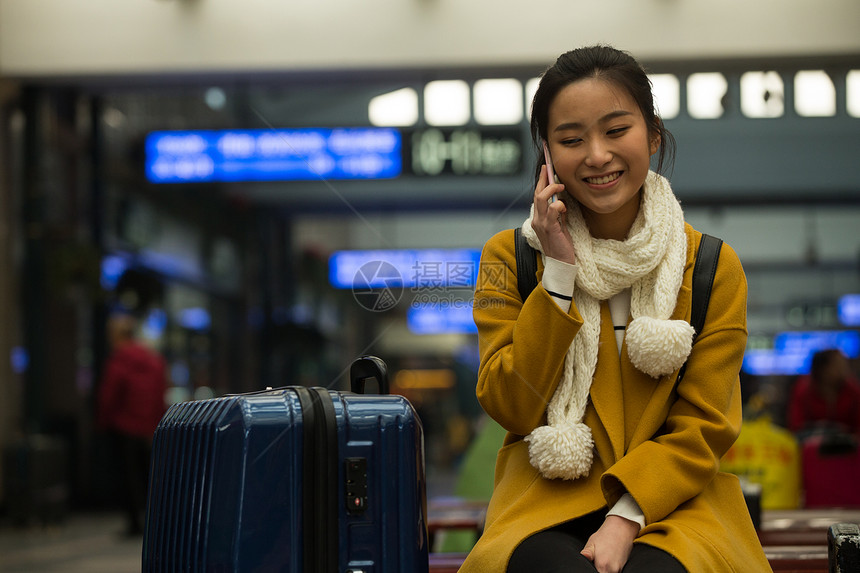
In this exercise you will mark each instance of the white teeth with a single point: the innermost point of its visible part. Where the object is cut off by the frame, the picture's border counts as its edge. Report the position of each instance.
(603, 180)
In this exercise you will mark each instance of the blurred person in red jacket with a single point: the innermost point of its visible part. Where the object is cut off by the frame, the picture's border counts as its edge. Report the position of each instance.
(131, 403)
(826, 400)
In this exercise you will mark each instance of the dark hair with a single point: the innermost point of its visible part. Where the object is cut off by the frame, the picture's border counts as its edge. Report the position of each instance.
(601, 62)
(822, 359)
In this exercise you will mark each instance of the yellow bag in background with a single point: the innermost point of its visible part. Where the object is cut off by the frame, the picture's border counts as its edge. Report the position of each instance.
(767, 455)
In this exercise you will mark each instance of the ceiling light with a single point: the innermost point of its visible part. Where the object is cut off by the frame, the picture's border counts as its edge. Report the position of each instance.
(762, 94)
(852, 93)
(667, 94)
(446, 102)
(397, 108)
(705, 93)
(814, 94)
(498, 101)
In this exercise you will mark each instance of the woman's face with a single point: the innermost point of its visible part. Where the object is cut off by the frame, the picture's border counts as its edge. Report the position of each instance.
(601, 151)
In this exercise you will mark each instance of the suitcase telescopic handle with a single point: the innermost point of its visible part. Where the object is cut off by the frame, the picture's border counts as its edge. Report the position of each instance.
(368, 367)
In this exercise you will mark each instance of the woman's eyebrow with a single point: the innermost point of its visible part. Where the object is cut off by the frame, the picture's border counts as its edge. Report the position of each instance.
(608, 117)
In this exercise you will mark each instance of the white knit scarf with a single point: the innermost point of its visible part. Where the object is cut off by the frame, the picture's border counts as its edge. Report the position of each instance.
(651, 263)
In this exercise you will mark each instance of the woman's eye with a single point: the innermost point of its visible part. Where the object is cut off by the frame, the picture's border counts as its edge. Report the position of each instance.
(617, 130)
(571, 141)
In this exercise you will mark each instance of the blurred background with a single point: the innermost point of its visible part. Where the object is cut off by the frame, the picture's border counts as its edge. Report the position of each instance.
(275, 188)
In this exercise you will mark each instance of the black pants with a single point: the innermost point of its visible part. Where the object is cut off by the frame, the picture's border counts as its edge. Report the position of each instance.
(132, 457)
(556, 550)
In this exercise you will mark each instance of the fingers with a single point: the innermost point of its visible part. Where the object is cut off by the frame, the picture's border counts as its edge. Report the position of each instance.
(602, 565)
(545, 208)
(588, 552)
(540, 197)
(545, 190)
(550, 221)
(556, 212)
(610, 560)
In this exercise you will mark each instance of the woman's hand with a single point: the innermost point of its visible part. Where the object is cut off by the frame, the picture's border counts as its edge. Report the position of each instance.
(550, 220)
(610, 546)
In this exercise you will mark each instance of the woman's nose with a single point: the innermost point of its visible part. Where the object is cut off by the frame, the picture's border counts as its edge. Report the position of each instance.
(599, 153)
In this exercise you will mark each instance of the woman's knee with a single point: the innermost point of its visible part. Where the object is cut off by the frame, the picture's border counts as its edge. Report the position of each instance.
(550, 551)
(648, 559)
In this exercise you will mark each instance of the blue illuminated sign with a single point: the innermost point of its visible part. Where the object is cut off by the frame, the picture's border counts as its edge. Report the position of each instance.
(849, 310)
(848, 341)
(154, 324)
(416, 268)
(441, 318)
(273, 154)
(113, 266)
(195, 318)
(20, 359)
(769, 362)
(792, 351)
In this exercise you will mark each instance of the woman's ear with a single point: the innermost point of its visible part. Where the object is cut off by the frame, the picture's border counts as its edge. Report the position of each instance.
(654, 142)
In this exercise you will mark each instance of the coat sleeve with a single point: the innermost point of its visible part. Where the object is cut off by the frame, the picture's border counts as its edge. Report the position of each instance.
(522, 345)
(705, 418)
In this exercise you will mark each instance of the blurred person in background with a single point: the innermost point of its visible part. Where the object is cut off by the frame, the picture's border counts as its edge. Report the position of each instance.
(827, 399)
(130, 405)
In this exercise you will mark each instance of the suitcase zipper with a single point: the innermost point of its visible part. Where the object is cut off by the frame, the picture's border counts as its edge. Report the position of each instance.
(319, 479)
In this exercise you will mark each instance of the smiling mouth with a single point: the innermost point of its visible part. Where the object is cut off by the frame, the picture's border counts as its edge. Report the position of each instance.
(604, 179)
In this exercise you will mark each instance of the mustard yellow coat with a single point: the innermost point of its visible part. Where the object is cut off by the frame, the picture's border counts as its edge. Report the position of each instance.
(661, 446)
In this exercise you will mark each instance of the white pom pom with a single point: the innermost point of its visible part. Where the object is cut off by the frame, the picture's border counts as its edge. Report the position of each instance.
(563, 451)
(658, 347)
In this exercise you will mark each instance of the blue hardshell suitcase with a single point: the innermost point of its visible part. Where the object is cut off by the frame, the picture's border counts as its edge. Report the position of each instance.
(292, 479)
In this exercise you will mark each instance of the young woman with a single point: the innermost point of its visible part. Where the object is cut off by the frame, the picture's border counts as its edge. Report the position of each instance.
(606, 464)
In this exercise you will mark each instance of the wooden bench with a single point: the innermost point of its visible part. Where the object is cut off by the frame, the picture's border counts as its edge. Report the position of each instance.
(802, 559)
(802, 527)
(782, 560)
(455, 513)
(794, 541)
(797, 559)
(446, 562)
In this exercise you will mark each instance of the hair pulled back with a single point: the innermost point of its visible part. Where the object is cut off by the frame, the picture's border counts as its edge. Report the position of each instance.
(605, 63)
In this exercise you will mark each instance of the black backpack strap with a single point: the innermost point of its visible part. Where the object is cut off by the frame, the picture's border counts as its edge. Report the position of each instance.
(703, 280)
(526, 264)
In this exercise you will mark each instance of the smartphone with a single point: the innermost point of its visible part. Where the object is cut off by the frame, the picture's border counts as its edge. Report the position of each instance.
(550, 172)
